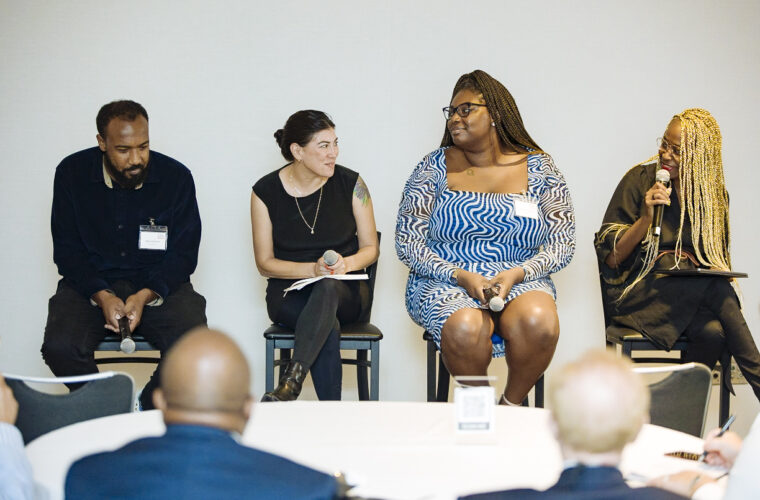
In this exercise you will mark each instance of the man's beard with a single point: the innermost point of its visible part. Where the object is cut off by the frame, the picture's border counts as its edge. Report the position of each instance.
(126, 182)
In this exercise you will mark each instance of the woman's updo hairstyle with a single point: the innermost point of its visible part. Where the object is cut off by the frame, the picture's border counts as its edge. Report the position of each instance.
(300, 128)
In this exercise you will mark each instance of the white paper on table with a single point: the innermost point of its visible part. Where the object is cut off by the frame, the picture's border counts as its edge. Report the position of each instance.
(298, 285)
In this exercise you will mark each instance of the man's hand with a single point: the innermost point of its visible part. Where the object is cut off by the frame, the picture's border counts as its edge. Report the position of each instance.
(112, 306)
(8, 404)
(133, 307)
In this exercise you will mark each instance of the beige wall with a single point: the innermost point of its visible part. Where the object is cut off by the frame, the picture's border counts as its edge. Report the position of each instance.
(596, 83)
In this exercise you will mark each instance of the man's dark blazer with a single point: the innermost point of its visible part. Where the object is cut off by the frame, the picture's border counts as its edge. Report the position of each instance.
(594, 483)
(193, 462)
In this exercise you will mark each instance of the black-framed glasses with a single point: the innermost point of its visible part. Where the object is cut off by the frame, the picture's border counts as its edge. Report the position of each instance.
(462, 110)
(664, 145)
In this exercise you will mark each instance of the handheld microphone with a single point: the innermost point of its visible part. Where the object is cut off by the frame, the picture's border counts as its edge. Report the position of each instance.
(495, 303)
(127, 345)
(662, 176)
(330, 257)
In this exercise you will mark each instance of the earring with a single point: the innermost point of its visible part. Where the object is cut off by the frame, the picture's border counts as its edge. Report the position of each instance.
(493, 124)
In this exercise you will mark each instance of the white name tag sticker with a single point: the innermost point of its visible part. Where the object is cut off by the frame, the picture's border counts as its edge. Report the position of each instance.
(474, 409)
(526, 208)
(153, 238)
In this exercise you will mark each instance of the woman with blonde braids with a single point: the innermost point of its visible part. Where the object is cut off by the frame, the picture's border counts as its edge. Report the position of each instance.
(695, 233)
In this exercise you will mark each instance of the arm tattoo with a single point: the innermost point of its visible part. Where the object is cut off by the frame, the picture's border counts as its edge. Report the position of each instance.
(361, 192)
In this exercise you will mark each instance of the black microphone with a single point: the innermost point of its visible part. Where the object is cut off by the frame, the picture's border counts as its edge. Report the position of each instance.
(495, 303)
(127, 345)
(330, 257)
(662, 176)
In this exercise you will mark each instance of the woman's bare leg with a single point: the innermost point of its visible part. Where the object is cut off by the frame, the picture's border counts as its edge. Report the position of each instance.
(530, 328)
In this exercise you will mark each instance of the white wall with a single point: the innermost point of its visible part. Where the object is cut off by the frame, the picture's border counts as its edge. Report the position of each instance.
(596, 83)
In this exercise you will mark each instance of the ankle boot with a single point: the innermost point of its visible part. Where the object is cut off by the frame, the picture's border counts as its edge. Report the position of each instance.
(290, 384)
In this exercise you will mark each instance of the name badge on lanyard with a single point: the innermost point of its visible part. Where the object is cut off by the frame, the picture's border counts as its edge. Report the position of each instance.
(526, 207)
(153, 237)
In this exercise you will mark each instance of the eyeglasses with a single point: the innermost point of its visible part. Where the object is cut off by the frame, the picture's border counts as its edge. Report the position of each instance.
(462, 110)
(664, 145)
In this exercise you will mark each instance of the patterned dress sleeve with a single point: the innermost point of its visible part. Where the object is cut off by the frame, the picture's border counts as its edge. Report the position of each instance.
(557, 207)
(417, 203)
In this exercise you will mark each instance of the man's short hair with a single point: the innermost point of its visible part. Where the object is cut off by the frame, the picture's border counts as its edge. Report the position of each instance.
(598, 403)
(126, 110)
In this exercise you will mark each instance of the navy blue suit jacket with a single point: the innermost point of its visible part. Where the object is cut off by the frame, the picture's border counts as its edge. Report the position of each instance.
(577, 483)
(193, 462)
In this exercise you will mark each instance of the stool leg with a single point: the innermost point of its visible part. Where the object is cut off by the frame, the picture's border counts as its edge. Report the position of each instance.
(283, 363)
(444, 377)
(361, 374)
(374, 390)
(626, 349)
(431, 355)
(539, 394)
(269, 370)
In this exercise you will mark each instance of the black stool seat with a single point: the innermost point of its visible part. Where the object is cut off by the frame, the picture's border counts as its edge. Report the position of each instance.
(353, 331)
(631, 340)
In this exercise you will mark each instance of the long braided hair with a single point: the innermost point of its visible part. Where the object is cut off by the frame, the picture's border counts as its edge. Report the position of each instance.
(703, 195)
(703, 188)
(502, 108)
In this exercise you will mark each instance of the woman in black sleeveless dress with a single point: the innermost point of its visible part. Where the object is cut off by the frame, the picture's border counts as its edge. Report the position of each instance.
(298, 212)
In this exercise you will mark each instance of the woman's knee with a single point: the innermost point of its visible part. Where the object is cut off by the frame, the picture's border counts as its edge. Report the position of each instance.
(535, 322)
(465, 329)
(326, 291)
(708, 332)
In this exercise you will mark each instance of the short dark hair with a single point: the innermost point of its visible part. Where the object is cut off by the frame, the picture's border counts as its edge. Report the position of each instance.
(501, 106)
(124, 109)
(300, 128)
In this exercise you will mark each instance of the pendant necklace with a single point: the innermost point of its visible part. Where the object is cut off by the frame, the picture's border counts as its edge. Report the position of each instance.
(319, 202)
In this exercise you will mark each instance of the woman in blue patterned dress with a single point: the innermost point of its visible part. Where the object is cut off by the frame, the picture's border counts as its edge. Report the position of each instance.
(488, 210)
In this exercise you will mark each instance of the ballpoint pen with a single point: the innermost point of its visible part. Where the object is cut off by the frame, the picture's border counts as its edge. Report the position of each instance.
(722, 431)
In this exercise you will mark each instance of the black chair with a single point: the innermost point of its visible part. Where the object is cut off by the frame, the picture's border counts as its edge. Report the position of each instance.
(440, 392)
(112, 343)
(107, 393)
(361, 337)
(679, 401)
(632, 341)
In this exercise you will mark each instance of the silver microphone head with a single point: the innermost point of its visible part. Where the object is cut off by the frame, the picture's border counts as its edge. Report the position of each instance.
(127, 345)
(663, 176)
(330, 257)
(496, 304)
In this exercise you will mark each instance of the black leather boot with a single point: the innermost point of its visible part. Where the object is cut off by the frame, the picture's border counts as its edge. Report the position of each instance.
(290, 384)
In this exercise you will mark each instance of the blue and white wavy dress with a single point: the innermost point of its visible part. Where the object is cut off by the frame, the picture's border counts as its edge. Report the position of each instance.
(439, 230)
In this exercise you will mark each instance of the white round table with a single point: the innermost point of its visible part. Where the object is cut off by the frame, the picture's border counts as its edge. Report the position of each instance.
(398, 450)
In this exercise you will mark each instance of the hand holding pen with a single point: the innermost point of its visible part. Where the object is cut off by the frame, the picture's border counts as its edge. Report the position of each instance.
(722, 446)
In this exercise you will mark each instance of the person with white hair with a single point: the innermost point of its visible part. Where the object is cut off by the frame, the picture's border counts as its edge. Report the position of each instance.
(598, 406)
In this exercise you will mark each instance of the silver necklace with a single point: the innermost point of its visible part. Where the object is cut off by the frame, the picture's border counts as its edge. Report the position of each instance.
(298, 192)
(316, 214)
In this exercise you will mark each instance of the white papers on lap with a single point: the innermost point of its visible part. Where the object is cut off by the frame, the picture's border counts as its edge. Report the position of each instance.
(298, 285)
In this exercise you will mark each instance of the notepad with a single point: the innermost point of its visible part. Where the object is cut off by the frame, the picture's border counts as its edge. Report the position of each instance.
(300, 284)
